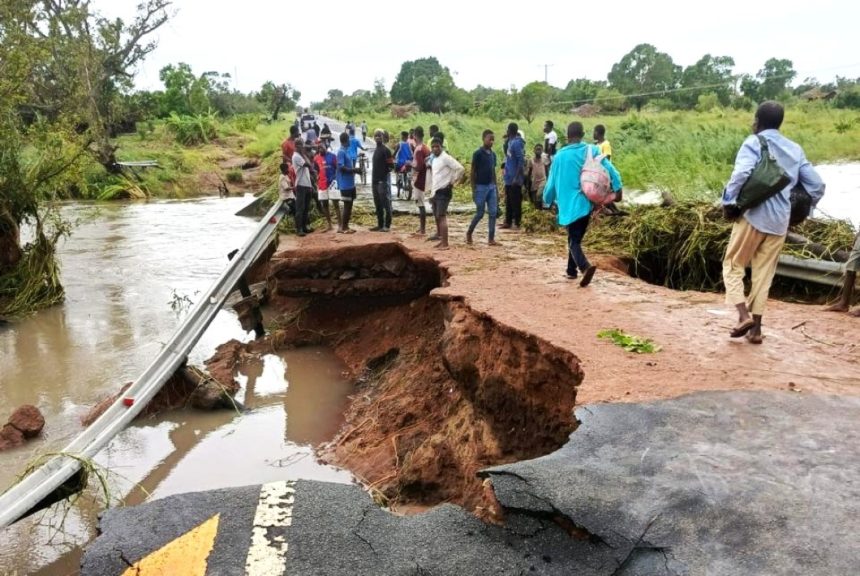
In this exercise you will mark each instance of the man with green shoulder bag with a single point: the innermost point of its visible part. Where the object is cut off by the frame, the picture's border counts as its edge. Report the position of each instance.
(758, 198)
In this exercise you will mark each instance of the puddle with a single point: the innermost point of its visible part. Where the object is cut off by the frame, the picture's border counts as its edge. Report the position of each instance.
(293, 401)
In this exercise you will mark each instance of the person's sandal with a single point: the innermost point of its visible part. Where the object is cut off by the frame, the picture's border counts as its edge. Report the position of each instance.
(741, 329)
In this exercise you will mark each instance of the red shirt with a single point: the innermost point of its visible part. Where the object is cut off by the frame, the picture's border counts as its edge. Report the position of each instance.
(322, 182)
(288, 147)
(421, 154)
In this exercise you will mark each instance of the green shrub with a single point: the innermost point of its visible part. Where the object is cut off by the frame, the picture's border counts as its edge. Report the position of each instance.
(707, 102)
(234, 176)
(192, 130)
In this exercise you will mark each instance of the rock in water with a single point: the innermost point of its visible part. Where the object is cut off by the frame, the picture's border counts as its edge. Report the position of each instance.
(28, 420)
(10, 437)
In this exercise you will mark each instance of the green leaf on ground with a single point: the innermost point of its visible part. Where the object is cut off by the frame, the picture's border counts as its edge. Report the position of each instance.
(635, 344)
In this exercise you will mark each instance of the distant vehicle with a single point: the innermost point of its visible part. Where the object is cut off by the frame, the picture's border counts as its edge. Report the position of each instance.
(307, 121)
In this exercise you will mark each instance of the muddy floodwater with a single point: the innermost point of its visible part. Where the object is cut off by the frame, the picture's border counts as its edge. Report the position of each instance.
(130, 272)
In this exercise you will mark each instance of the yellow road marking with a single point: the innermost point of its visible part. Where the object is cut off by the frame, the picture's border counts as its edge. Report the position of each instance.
(186, 555)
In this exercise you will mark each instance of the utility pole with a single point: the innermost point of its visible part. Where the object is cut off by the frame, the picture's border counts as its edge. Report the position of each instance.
(546, 72)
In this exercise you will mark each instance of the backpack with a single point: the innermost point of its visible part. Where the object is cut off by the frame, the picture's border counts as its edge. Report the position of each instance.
(594, 180)
(765, 181)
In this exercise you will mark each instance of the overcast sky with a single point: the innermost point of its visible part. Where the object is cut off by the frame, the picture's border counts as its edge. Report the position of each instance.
(320, 45)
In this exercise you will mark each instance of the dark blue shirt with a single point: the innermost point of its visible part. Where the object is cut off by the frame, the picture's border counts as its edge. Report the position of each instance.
(484, 163)
(515, 161)
(345, 177)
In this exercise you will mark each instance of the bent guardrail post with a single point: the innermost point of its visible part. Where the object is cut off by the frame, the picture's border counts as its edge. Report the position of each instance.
(245, 291)
(24, 497)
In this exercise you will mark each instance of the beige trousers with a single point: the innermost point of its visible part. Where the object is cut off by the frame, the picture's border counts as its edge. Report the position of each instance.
(749, 247)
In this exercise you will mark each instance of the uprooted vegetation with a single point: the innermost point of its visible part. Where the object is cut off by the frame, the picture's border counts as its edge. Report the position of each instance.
(442, 390)
(681, 246)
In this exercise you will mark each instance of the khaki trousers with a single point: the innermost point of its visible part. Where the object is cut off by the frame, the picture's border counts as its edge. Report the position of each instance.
(749, 247)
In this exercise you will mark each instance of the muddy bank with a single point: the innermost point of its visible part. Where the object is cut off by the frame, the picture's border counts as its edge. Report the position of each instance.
(441, 390)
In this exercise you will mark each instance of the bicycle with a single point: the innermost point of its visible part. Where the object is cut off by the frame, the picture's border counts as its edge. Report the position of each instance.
(404, 181)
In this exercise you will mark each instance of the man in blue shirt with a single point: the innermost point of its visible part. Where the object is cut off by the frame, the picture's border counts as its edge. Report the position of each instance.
(515, 163)
(403, 161)
(484, 189)
(345, 175)
(354, 146)
(574, 209)
(759, 233)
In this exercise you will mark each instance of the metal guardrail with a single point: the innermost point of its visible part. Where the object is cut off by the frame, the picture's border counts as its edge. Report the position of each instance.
(22, 497)
(811, 270)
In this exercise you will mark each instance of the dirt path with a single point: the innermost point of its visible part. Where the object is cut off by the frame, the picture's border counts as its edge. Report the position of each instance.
(521, 285)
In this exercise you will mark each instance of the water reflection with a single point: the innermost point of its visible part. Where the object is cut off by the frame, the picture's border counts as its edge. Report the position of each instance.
(120, 270)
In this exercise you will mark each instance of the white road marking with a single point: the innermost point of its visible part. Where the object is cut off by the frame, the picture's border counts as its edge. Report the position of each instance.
(267, 555)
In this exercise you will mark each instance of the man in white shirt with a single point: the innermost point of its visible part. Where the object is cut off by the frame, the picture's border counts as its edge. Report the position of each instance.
(446, 173)
(304, 189)
(551, 140)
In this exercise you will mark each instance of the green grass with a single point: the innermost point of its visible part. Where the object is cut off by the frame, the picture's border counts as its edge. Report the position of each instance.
(689, 154)
(179, 167)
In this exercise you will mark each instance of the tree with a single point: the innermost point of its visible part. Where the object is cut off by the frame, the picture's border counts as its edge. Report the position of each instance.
(710, 75)
(532, 99)
(178, 83)
(433, 94)
(379, 96)
(497, 104)
(425, 82)
(609, 100)
(63, 73)
(775, 76)
(461, 101)
(644, 73)
(91, 63)
(750, 87)
(277, 97)
(581, 91)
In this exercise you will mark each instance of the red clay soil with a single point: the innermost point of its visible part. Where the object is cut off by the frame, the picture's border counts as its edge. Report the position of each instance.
(442, 391)
(522, 285)
(486, 369)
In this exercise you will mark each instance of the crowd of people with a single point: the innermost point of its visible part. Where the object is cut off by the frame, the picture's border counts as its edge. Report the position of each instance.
(554, 176)
(426, 174)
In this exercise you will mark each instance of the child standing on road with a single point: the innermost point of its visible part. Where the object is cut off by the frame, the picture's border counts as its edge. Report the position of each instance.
(326, 163)
(536, 176)
(286, 187)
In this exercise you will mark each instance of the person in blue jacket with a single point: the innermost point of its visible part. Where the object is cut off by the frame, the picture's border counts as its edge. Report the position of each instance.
(574, 209)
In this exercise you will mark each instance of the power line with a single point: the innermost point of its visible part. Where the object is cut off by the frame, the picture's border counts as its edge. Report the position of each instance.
(733, 78)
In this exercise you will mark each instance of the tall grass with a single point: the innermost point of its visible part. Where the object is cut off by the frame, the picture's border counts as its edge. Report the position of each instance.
(687, 153)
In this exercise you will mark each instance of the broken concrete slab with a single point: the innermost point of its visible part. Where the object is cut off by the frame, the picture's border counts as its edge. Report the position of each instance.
(724, 482)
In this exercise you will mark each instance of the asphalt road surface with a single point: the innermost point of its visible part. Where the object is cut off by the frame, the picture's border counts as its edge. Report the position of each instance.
(720, 483)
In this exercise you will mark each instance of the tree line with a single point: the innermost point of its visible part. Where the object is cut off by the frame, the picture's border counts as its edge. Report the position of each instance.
(643, 77)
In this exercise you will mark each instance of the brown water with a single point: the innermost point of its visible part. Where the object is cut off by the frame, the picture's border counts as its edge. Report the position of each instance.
(121, 269)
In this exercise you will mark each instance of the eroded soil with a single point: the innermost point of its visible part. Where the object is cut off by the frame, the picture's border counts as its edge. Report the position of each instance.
(486, 368)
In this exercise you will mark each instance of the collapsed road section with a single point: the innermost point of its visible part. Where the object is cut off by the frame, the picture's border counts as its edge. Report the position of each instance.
(717, 483)
(467, 425)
